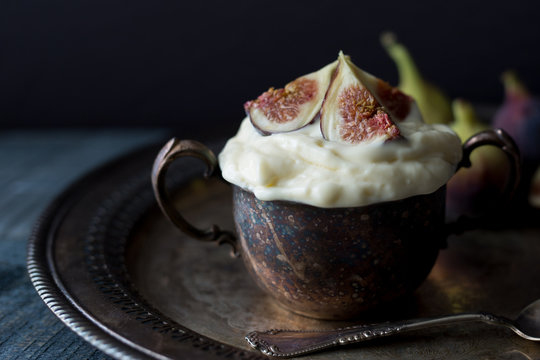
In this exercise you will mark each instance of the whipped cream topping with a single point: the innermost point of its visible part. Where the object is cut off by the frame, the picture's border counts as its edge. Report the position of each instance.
(301, 166)
(372, 145)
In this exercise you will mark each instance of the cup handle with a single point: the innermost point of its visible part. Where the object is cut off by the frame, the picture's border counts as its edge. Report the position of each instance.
(500, 139)
(173, 150)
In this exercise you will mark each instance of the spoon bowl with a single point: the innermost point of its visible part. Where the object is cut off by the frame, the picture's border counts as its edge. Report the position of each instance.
(527, 323)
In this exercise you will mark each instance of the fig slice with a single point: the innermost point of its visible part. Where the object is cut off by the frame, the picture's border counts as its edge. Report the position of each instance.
(292, 107)
(352, 111)
(393, 100)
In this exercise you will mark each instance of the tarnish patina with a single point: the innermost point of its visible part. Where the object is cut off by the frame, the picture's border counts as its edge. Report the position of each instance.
(339, 262)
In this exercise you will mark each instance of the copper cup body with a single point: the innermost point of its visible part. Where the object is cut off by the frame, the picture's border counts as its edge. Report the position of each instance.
(332, 263)
(337, 263)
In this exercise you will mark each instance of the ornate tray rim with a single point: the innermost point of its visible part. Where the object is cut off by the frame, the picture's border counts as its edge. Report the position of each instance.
(43, 276)
(45, 279)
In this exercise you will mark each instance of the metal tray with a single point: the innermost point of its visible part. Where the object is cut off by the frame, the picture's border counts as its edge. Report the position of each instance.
(107, 263)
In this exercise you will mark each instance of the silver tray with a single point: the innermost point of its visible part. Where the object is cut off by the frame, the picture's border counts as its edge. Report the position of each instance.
(107, 263)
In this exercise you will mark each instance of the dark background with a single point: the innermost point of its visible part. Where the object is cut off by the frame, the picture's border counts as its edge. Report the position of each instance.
(191, 65)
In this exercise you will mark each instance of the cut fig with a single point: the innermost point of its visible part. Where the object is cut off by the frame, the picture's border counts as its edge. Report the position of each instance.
(396, 103)
(292, 107)
(351, 113)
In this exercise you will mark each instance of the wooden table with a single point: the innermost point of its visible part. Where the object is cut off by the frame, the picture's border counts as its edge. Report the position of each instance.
(35, 166)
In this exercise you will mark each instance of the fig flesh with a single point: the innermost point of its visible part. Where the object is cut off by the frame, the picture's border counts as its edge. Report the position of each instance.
(292, 107)
(358, 107)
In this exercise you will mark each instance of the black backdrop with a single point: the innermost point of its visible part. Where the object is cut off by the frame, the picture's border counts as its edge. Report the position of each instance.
(191, 65)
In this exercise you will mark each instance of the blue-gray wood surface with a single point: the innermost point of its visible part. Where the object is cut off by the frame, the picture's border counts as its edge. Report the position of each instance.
(35, 166)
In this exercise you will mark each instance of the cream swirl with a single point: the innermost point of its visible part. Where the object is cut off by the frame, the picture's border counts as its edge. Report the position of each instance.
(301, 166)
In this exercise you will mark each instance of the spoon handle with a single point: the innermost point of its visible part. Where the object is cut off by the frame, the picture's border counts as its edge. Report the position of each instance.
(290, 343)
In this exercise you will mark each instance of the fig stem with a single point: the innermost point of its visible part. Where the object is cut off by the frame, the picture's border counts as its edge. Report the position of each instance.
(464, 112)
(407, 69)
(513, 85)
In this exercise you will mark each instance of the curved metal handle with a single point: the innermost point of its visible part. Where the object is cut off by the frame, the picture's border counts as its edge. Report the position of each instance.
(500, 139)
(173, 150)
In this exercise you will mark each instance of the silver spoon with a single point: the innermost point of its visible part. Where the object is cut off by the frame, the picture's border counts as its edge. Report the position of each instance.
(290, 343)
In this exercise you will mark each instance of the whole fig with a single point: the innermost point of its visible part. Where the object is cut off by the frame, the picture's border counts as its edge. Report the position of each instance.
(434, 105)
(519, 115)
(476, 190)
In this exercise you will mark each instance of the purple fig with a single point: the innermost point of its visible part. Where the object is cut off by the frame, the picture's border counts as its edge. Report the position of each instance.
(478, 189)
(359, 107)
(292, 107)
(519, 115)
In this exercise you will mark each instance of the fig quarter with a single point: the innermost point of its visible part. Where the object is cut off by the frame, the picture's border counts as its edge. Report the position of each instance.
(292, 107)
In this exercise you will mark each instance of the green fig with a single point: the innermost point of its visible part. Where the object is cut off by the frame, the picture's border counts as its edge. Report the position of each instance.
(476, 190)
(434, 105)
(466, 123)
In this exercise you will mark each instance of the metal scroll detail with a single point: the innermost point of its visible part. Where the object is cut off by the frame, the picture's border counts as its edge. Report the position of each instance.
(291, 343)
(173, 150)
